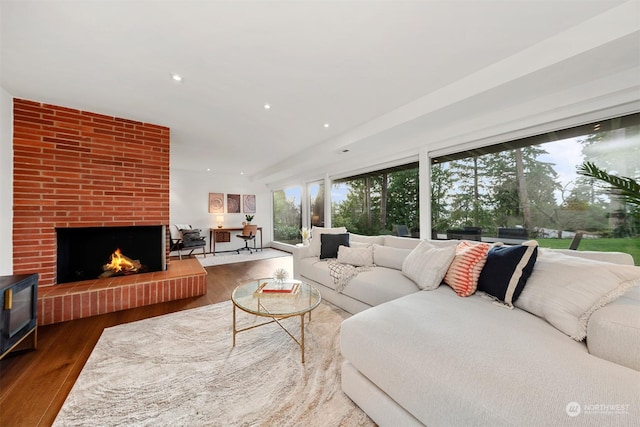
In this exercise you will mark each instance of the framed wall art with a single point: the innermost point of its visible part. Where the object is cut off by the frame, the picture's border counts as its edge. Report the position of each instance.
(216, 202)
(249, 203)
(233, 203)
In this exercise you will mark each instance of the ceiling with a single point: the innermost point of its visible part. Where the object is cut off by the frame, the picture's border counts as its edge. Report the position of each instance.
(389, 77)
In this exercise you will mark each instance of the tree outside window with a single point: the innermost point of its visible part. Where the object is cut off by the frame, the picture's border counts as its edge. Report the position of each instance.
(372, 204)
(533, 185)
(287, 218)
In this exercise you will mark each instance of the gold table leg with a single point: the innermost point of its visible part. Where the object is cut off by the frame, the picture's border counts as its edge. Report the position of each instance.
(276, 320)
(302, 335)
(234, 325)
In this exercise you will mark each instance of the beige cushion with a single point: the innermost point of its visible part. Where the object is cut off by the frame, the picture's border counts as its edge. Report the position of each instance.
(614, 331)
(384, 256)
(378, 240)
(401, 242)
(359, 244)
(359, 257)
(316, 241)
(427, 265)
(614, 257)
(566, 290)
(453, 361)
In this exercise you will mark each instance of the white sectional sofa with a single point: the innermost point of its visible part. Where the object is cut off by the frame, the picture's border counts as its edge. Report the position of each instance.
(383, 283)
(434, 358)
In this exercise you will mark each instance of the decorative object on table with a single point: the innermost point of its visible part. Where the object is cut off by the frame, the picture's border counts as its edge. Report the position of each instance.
(280, 274)
(249, 218)
(233, 203)
(306, 235)
(216, 202)
(219, 220)
(249, 203)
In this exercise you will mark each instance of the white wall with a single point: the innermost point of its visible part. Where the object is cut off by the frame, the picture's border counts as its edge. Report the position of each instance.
(189, 199)
(6, 183)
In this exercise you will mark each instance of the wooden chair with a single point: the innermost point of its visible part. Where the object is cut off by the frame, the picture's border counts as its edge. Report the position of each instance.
(248, 233)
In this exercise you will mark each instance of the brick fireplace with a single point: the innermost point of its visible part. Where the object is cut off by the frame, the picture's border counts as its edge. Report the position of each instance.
(75, 168)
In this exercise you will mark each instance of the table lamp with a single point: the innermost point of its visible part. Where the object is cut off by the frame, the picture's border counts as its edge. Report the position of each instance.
(219, 220)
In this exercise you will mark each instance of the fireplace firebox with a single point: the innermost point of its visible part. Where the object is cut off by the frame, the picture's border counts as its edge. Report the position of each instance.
(84, 252)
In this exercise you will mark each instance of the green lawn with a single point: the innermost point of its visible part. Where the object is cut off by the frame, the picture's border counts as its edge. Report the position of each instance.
(628, 245)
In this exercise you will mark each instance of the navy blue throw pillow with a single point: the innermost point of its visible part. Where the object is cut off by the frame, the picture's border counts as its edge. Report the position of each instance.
(507, 269)
(329, 244)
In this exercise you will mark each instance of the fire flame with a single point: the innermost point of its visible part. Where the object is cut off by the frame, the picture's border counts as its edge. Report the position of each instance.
(120, 263)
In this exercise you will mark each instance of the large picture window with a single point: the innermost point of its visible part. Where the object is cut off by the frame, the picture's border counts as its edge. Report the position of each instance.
(377, 202)
(531, 188)
(287, 218)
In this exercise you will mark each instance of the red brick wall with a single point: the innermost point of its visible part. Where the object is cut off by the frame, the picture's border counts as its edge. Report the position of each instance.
(79, 169)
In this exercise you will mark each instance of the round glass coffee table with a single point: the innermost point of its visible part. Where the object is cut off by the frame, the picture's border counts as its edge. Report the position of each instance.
(275, 300)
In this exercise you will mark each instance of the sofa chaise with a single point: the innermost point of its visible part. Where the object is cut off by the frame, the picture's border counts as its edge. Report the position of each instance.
(431, 357)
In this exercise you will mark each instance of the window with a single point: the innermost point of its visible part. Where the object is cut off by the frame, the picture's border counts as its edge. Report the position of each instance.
(316, 203)
(287, 218)
(531, 187)
(375, 202)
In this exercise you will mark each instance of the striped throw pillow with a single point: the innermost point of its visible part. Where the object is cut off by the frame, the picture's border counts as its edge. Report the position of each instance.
(465, 269)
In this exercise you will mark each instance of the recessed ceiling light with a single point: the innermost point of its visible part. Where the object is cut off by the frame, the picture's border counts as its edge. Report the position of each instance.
(208, 169)
(326, 125)
(176, 77)
(267, 106)
(241, 173)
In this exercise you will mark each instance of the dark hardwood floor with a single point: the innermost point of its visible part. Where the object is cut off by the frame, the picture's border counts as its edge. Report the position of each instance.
(35, 383)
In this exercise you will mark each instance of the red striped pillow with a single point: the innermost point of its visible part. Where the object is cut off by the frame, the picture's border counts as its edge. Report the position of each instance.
(465, 269)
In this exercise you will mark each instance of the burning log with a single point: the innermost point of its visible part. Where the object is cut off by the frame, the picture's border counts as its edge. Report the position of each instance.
(120, 265)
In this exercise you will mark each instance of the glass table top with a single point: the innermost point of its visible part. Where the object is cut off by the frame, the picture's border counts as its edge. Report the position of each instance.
(251, 298)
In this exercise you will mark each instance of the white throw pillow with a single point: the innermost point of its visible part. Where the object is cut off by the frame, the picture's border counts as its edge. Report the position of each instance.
(384, 256)
(316, 241)
(358, 244)
(378, 240)
(401, 242)
(427, 265)
(565, 290)
(359, 257)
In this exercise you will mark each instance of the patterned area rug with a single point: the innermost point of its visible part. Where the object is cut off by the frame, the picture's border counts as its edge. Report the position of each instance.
(181, 369)
(231, 257)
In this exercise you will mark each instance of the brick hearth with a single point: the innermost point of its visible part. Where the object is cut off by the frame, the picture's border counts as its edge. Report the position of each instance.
(75, 168)
(183, 279)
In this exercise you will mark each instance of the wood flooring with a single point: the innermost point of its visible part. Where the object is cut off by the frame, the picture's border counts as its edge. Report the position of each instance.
(35, 383)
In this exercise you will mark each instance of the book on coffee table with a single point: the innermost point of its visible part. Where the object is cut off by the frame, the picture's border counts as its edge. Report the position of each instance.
(273, 287)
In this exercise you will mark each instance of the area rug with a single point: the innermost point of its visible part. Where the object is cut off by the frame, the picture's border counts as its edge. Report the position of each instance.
(180, 369)
(231, 257)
